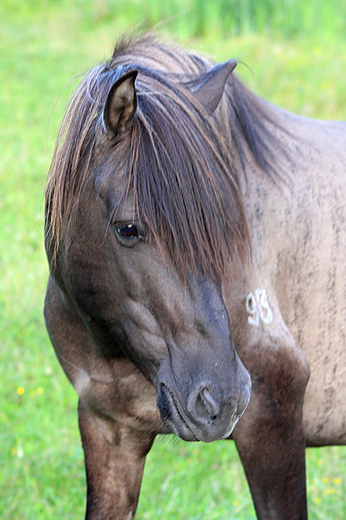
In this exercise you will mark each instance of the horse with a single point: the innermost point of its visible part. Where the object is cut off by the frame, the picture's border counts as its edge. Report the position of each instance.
(195, 235)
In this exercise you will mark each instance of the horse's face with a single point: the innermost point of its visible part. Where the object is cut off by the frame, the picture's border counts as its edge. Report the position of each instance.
(175, 331)
(136, 303)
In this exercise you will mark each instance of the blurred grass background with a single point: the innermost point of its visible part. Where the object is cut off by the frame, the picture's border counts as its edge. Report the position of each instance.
(296, 57)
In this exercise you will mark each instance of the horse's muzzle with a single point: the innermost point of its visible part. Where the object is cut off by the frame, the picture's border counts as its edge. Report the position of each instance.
(204, 415)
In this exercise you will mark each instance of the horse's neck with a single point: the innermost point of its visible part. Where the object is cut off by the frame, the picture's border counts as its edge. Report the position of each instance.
(255, 133)
(302, 152)
(280, 137)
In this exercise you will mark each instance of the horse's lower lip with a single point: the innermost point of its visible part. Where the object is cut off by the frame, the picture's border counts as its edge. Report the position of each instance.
(177, 424)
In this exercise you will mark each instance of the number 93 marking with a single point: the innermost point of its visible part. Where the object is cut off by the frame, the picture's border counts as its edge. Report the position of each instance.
(258, 308)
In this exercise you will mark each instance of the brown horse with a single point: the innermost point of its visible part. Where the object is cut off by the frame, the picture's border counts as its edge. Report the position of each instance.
(193, 230)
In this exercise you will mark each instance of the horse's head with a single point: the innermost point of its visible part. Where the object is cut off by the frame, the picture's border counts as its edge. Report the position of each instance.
(155, 219)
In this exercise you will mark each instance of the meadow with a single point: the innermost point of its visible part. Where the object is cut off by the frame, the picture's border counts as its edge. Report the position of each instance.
(292, 55)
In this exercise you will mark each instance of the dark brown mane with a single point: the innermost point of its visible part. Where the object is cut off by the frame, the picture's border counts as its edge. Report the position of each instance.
(176, 161)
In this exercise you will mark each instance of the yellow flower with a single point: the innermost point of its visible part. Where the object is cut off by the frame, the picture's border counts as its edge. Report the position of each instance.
(329, 491)
(325, 480)
(318, 501)
(20, 390)
(337, 481)
(19, 452)
(40, 390)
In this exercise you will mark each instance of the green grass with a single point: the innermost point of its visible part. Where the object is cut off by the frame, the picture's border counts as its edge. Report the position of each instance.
(43, 45)
(201, 18)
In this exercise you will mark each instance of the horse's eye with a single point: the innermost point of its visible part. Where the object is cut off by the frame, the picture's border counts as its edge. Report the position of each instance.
(128, 231)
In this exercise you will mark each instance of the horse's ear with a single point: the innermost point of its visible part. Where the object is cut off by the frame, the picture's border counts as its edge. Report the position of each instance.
(209, 87)
(121, 104)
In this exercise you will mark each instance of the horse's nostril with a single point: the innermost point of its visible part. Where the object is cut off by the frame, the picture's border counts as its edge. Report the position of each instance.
(211, 404)
(207, 407)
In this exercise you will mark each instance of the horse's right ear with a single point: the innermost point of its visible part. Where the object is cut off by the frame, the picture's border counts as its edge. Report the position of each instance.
(121, 104)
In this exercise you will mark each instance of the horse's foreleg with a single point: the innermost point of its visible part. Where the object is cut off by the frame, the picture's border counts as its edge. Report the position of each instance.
(114, 467)
(270, 440)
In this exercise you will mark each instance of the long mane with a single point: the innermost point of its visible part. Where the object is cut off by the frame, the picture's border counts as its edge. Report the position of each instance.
(177, 161)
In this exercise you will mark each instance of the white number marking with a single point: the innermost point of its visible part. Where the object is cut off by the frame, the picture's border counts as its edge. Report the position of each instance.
(258, 308)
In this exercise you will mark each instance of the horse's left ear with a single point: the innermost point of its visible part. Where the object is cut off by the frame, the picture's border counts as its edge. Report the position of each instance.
(121, 104)
(209, 87)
